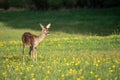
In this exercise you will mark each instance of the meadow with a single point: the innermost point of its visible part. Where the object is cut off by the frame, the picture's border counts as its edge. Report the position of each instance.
(82, 45)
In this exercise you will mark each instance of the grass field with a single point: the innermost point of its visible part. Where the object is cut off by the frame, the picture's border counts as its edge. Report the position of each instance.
(82, 45)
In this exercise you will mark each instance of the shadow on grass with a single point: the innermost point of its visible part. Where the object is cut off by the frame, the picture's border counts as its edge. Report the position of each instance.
(100, 22)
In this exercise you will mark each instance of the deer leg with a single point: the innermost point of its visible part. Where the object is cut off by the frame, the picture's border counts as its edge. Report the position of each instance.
(23, 54)
(35, 54)
(30, 51)
(31, 55)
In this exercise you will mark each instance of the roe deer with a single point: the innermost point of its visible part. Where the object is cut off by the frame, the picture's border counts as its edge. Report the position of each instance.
(33, 41)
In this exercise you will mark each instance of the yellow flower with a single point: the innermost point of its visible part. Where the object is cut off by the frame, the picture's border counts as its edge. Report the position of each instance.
(78, 79)
(48, 72)
(4, 74)
(82, 77)
(32, 75)
(2, 44)
(33, 79)
(98, 61)
(99, 79)
(67, 64)
(113, 66)
(16, 68)
(111, 70)
(91, 72)
(62, 75)
(96, 65)
(21, 73)
(48, 67)
(96, 76)
(28, 68)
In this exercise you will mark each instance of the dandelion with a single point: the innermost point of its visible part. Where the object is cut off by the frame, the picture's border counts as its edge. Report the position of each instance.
(40, 56)
(80, 71)
(67, 64)
(8, 66)
(59, 70)
(96, 65)
(59, 45)
(70, 71)
(2, 44)
(91, 72)
(16, 68)
(111, 70)
(99, 79)
(48, 72)
(82, 77)
(28, 68)
(98, 61)
(31, 65)
(96, 76)
(78, 79)
(7, 59)
(48, 67)
(113, 66)
(76, 64)
(33, 78)
(4, 74)
(62, 75)
(21, 73)
(32, 75)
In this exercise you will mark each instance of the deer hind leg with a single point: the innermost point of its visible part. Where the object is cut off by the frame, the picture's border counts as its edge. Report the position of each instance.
(30, 51)
(23, 53)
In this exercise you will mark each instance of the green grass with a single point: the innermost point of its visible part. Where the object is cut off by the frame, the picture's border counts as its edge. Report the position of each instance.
(82, 45)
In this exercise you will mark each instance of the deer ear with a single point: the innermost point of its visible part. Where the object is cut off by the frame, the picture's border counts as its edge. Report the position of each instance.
(41, 26)
(48, 26)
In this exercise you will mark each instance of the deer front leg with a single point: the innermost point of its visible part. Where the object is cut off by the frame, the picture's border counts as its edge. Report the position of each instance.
(35, 54)
(31, 52)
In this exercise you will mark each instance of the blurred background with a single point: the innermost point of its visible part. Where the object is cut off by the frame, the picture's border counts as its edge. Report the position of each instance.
(57, 4)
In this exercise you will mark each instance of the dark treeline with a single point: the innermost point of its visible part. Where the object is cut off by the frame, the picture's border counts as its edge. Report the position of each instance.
(58, 4)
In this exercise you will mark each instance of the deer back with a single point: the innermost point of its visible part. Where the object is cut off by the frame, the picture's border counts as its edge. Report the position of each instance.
(28, 38)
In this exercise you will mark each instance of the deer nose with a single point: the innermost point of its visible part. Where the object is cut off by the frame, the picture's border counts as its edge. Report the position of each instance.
(47, 32)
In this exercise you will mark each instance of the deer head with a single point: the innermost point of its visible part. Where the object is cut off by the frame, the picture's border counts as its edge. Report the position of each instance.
(45, 29)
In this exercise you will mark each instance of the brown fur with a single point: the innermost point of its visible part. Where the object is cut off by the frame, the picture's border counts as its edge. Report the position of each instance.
(28, 38)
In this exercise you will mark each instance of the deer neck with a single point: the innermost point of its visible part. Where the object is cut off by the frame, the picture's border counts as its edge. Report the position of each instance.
(38, 39)
(41, 37)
